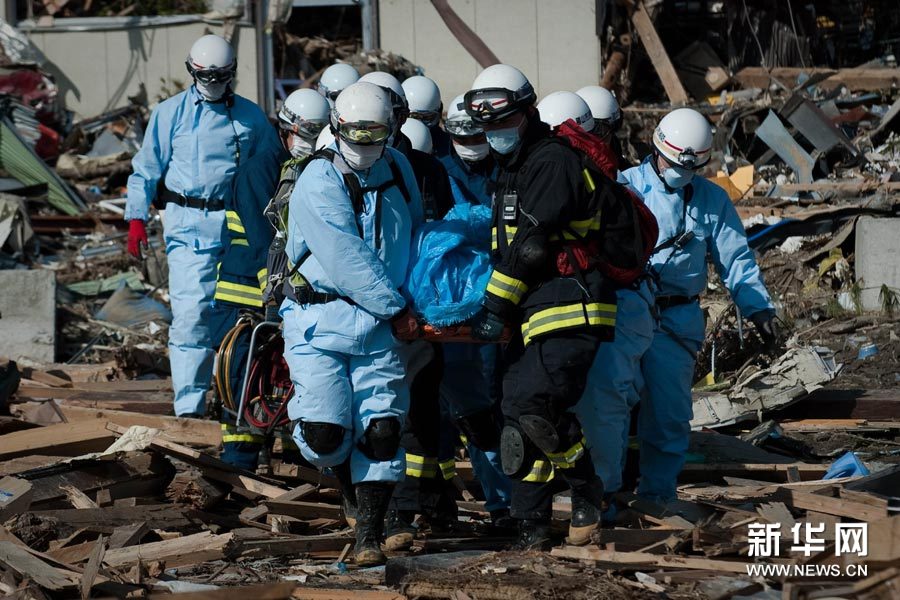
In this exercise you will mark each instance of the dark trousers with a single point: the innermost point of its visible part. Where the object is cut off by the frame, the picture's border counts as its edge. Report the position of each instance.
(546, 379)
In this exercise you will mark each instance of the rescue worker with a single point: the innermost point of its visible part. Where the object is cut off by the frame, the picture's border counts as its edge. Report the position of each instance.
(657, 338)
(242, 274)
(424, 99)
(194, 144)
(418, 135)
(607, 118)
(334, 79)
(350, 227)
(544, 212)
(559, 107)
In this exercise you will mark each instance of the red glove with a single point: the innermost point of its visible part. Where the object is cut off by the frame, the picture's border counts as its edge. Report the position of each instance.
(405, 325)
(137, 233)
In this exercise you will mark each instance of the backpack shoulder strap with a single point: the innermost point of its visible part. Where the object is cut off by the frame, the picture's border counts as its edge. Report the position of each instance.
(397, 176)
(350, 179)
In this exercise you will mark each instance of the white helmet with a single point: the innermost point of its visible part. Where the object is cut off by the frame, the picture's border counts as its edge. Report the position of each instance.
(603, 104)
(305, 112)
(211, 60)
(423, 98)
(390, 83)
(362, 114)
(458, 122)
(559, 107)
(498, 92)
(335, 78)
(325, 139)
(684, 138)
(418, 135)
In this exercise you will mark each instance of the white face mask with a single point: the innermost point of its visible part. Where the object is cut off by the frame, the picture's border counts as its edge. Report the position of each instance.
(472, 153)
(677, 177)
(300, 146)
(212, 92)
(503, 141)
(360, 157)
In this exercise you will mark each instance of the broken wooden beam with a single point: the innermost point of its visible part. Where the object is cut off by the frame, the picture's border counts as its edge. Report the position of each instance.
(643, 24)
(625, 560)
(106, 519)
(178, 552)
(304, 510)
(855, 79)
(195, 432)
(831, 506)
(63, 439)
(15, 497)
(27, 565)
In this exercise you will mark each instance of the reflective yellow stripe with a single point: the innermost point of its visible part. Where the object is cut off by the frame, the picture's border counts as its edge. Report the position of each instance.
(239, 242)
(506, 287)
(577, 230)
(448, 469)
(263, 276)
(567, 458)
(422, 467)
(494, 244)
(510, 233)
(239, 294)
(593, 314)
(464, 440)
(588, 180)
(541, 472)
(233, 220)
(242, 437)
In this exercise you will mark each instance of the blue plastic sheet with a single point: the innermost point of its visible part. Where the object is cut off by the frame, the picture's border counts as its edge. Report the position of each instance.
(848, 465)
(451, 266)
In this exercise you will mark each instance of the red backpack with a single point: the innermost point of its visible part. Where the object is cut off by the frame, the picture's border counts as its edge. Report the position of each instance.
(602, 165)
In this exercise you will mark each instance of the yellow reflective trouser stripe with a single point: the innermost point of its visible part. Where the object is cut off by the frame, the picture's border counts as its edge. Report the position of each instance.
(568, 316)
(580, 229)
(588, 180)
(263, 276)
(464, 440)
(567, 458)
(421, 466)
(541, 472)
(506, 287)
(230, 435)
(240, 242)
(233, 220)
(448, 469)
(494, 244)
(239, 294)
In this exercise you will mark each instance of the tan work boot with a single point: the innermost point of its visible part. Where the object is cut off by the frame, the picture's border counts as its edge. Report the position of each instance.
(400, 531)
(371, 503)
(585, 521)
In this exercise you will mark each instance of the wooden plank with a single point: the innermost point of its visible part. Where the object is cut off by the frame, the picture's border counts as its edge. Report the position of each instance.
(128, 386)
(855, 79)
(290, 471)
(15, 497)
(872, 405)
(338, 594)
(776, 512)
(183, 431)
(73, 554)
(25, 564)
(265, 591)
(63, 439)
(245, 481)
(44, 378)
(703, 472)
(297, 493)
(265, 548)
(11, 424)
(304, 510)
(106, 519)
(831, 506)
(78, 498)
(92, 567)
(643, 24)
(642, 559)
(128, 535)
(179, 552)
(26, 463)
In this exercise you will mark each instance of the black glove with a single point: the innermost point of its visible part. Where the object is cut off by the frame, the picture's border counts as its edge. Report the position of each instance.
(487, 326)
(405, 325)
(765, 324)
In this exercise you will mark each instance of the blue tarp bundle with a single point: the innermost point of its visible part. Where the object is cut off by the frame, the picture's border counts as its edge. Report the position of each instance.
(451, 266)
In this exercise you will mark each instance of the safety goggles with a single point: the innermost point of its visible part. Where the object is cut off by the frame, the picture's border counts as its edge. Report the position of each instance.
(489, 105)
(209, 76)
(331, 95)
(364, 133)
(429, 117)
(687, 160)
(288, 121)
(462, 127)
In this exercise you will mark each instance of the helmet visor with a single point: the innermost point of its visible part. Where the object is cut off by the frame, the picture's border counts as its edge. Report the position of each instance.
(363, 132)
(330, 94)
(462, 127)
(429, 117)
(494, 104)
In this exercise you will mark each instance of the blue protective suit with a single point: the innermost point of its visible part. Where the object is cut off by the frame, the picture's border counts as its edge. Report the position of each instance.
(345, 363)
(655, 357)
(472, 183)
(194, 147)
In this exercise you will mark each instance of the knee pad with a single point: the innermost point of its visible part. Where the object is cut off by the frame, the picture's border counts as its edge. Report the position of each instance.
(481, 429)
(322, 438)
(512, 450)
(381, 439)
(540, 431)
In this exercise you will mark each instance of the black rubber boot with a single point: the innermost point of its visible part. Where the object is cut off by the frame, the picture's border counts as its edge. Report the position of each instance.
(585, 520)
(534, 535)
(502, 523)
(372, 502)
(348, 493)
(400, 530)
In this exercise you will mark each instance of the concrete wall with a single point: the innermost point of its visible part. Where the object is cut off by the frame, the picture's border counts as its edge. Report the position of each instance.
(552, 41)
(97, 69)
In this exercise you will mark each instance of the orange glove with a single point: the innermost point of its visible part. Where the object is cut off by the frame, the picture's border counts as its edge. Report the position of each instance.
(137, 233)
